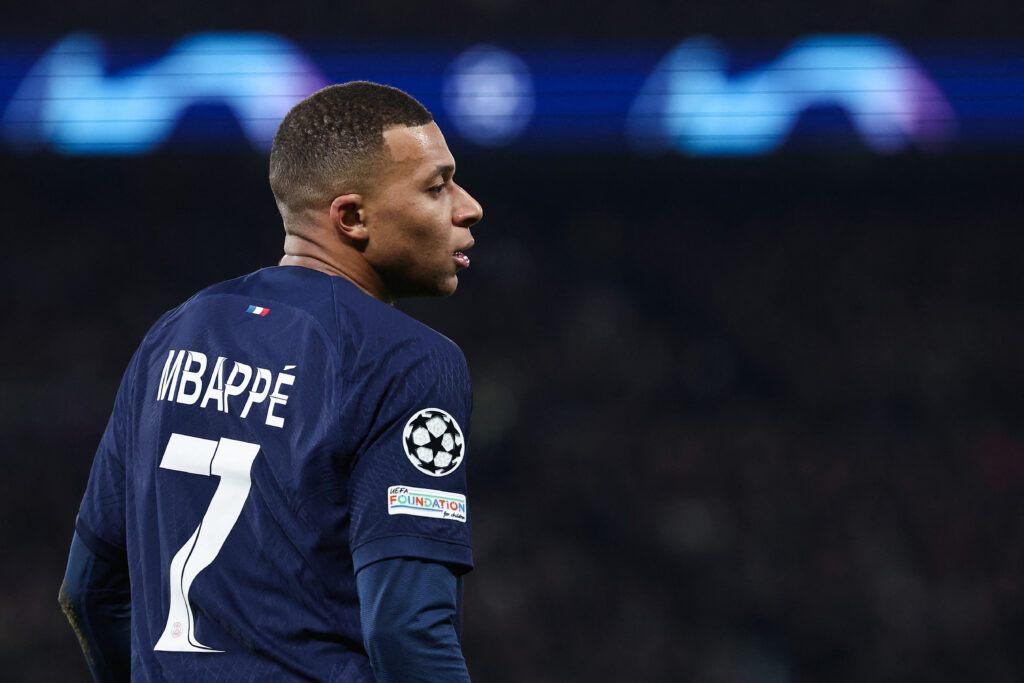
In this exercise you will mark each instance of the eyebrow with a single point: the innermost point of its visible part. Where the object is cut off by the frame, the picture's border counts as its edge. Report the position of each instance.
(443, 170)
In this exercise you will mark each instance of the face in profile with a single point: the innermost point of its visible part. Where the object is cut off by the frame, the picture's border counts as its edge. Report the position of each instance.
(418, 217)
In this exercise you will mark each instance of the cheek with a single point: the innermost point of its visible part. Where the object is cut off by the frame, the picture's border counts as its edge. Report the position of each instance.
(430, 230)
(419, 231)
(420, 250)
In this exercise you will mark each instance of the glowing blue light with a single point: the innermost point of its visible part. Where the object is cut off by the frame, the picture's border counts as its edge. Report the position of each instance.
(690, 101)
(68, 102)
(223, 90)
(488, 94)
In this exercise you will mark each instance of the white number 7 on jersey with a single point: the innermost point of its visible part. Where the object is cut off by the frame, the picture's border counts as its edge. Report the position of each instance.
(231, 461)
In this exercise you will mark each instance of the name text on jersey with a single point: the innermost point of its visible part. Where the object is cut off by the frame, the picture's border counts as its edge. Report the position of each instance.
(185, 377)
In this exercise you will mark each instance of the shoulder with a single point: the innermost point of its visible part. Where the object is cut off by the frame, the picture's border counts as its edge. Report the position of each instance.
(290, 287)
(422, 348)
(281, 295)
(366, 334)
(373, 329)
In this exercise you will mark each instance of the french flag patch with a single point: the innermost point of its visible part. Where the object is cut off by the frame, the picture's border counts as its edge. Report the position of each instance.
(257, 310)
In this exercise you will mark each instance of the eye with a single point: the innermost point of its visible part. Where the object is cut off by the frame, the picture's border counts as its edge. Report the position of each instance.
(438, 189)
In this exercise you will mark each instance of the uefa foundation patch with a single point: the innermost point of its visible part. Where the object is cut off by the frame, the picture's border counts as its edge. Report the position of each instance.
(433, 442)
(405, 500)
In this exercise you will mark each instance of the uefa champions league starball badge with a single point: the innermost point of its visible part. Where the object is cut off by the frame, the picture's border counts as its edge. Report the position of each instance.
(433, 442)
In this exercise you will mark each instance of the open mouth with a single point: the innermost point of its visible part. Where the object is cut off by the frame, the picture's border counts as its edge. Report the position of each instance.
(461, 259)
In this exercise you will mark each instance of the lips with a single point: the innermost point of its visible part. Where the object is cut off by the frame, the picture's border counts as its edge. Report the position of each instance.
(460, 256)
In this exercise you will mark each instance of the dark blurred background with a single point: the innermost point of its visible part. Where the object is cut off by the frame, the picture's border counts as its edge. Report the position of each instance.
(747, 419)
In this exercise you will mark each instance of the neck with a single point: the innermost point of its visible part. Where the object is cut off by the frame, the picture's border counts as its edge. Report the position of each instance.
(345, 262)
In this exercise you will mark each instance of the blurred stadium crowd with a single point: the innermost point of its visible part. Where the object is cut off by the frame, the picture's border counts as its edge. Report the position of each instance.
(735, 421)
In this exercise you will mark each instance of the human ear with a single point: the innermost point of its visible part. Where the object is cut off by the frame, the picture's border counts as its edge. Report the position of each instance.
(347, 216)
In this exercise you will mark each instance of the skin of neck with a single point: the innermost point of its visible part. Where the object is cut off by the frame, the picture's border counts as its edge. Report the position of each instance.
(312, 240)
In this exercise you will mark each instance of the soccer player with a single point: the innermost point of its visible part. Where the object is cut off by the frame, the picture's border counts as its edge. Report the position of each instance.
(280, 492)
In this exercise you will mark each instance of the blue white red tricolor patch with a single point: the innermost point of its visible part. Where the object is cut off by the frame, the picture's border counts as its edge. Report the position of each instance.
(406, 500)
(257, 310)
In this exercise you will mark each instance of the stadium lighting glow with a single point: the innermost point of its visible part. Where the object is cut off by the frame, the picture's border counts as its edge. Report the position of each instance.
(85, 96)
(70, 103)
(692, 103)
(488, 94)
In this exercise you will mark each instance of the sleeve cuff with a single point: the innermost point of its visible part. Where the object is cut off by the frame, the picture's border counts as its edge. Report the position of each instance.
(108, 551)
(461, 556)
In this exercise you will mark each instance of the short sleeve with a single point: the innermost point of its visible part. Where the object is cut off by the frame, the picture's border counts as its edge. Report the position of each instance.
(101, 516)
(408, 489)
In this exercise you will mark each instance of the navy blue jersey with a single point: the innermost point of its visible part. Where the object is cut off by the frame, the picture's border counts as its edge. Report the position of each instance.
(273, 435)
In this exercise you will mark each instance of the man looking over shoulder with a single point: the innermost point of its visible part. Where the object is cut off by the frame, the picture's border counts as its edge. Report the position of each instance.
(280, 493)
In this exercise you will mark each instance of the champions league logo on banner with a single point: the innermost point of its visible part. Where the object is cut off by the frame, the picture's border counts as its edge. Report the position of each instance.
(86, 95)
(433, 442)
(73, 103)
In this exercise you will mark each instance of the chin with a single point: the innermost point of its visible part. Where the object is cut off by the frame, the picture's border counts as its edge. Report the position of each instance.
(435, 291)
(447, 289)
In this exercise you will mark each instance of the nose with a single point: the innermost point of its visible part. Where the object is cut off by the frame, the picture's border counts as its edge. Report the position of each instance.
(467, 210)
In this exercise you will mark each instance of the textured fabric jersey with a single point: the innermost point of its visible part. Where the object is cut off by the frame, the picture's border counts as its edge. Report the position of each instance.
(272, 436)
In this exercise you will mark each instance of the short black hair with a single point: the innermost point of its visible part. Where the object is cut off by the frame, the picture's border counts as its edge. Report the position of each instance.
(335, 137)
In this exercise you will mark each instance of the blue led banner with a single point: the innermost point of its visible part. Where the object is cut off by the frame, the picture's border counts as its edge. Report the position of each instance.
(83, 95)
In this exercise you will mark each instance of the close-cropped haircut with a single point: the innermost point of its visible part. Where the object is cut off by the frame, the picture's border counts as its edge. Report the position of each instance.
(333, 140)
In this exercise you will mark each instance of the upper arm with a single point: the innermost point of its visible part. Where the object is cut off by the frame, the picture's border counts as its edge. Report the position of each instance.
(395, 593)
(101, 516)
(408, 487)
(96, 599)
(409, 616)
